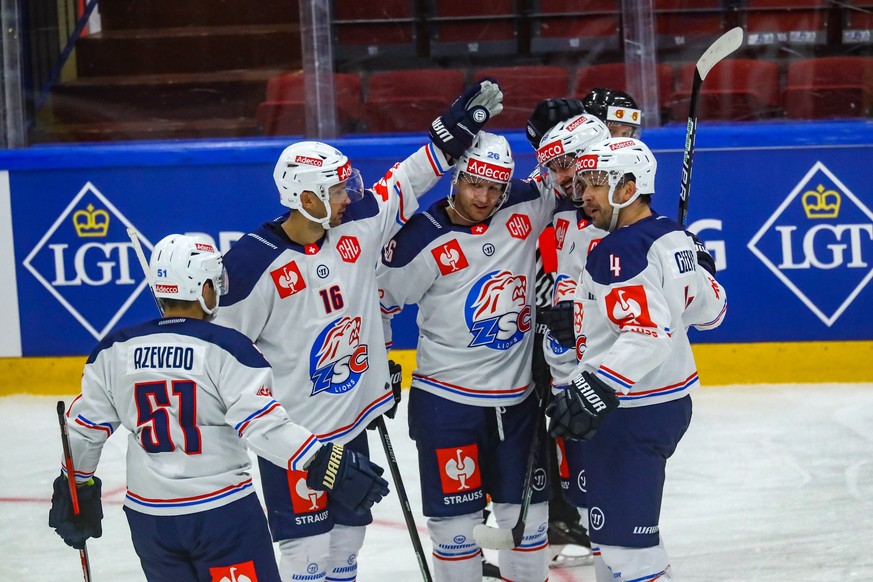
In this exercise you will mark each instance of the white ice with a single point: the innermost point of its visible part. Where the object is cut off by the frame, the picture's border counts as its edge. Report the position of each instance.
(771, 483)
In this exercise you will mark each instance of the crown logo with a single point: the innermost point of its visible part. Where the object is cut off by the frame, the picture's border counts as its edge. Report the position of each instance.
(821, 203)
(90, 222)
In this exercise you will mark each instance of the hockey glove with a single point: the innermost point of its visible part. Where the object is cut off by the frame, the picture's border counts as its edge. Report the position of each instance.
(75, 529)
(453, 131)
(704, 259)
(578, 410)
(348, 476)
(560, 321)
(547, 114)
(395, 371)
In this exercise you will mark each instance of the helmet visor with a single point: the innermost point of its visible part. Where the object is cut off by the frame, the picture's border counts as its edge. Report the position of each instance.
(353, 187)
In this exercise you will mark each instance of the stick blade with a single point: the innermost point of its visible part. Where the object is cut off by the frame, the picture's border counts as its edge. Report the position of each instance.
(493, 538)
(721, 48)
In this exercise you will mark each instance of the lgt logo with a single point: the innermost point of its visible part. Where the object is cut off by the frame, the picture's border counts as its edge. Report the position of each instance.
(86, 261)
(819, 243)
(519, 226)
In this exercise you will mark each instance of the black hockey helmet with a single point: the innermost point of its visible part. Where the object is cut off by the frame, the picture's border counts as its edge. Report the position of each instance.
(616, 109)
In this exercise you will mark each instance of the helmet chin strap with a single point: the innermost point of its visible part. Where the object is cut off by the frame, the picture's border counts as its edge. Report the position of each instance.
(451, 200)
(616, 208)
(325, 221)
(210, 312)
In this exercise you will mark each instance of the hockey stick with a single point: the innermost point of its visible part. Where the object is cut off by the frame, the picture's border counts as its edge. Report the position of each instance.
(717, 51)
(140, 255)
(404, 499)
(495, 538)
(71, 479)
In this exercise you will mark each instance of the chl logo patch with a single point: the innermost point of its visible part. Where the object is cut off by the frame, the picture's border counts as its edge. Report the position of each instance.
(459, 468)
(242, 572)
(349, 249)
(819, 243)
(519, 226)
(288, 280)
(304, 499)
(449, 257)
(86, 261)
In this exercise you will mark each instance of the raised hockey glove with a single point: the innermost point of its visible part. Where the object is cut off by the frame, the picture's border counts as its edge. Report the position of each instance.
(578, 410)
(704, 259)
(349, 477)
(453, 131)
(547, 114)
(559, 319)
(76, 529)
(395, 372)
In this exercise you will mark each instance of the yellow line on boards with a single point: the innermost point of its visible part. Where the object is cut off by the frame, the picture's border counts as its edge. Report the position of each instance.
(718, 365)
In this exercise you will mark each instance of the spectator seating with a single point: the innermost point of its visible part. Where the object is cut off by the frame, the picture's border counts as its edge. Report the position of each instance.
(679, 23)
(370, 29)
(858, 22)
(786, 21)
(408, 100)
(460, 27)
(829, 87)
(284, 110)
(523, 87)
(570, 25)
(735, 90)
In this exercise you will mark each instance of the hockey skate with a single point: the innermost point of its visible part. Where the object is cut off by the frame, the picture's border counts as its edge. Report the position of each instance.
(570, 545)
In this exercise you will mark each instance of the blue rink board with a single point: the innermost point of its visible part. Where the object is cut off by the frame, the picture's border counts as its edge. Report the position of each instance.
(786, 208)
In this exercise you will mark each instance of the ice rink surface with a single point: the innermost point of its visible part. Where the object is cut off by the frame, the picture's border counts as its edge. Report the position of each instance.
(771, 483)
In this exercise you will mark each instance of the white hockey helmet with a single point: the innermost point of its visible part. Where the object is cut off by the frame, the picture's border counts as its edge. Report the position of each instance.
(614, 162)
(489, 158)
(561, 145)
(312, 166)
(180, 266)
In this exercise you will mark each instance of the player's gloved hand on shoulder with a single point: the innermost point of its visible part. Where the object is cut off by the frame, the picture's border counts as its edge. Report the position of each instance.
(349, 477)
(454, 130)
(577, 411)
(559, 319)
(547, 114)
(76, 529)
(704, 259)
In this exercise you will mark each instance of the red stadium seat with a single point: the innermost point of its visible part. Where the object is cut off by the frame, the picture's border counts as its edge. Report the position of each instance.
(858, 23)
(460, 27)
(283, 111)
(735, 89)
(371, 29)
(408, 100)
(680, 23)
(570, 25)
(523, 88)
(829, 87)
(612, 76)
(786, 21)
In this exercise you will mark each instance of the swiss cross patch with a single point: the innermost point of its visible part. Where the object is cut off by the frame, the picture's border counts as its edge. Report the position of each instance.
(479, 228)
(348, 248)
(561, 227)
(628, 307)
(519, 226)
(288, 280)
(242, 572)
(449, 257)
(459, 468)
(304, 499)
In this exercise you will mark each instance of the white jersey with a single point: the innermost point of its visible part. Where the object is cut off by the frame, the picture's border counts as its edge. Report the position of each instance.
(188, 391)
(575, 236)
(313, 310)
(640, 288)
(474, 286)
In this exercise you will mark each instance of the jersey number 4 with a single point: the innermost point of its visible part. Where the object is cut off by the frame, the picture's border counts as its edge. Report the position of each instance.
(153, 408)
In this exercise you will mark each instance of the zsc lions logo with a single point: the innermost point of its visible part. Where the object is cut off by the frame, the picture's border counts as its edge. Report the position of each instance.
(496, 310)
(338, 357)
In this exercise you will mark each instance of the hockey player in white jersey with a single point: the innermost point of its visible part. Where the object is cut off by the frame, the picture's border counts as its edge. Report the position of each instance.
(188, 391)
(630, 396)
(303, 288)
(468, 263)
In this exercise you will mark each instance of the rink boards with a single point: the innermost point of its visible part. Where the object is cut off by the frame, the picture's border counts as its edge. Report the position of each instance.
(784, 208)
